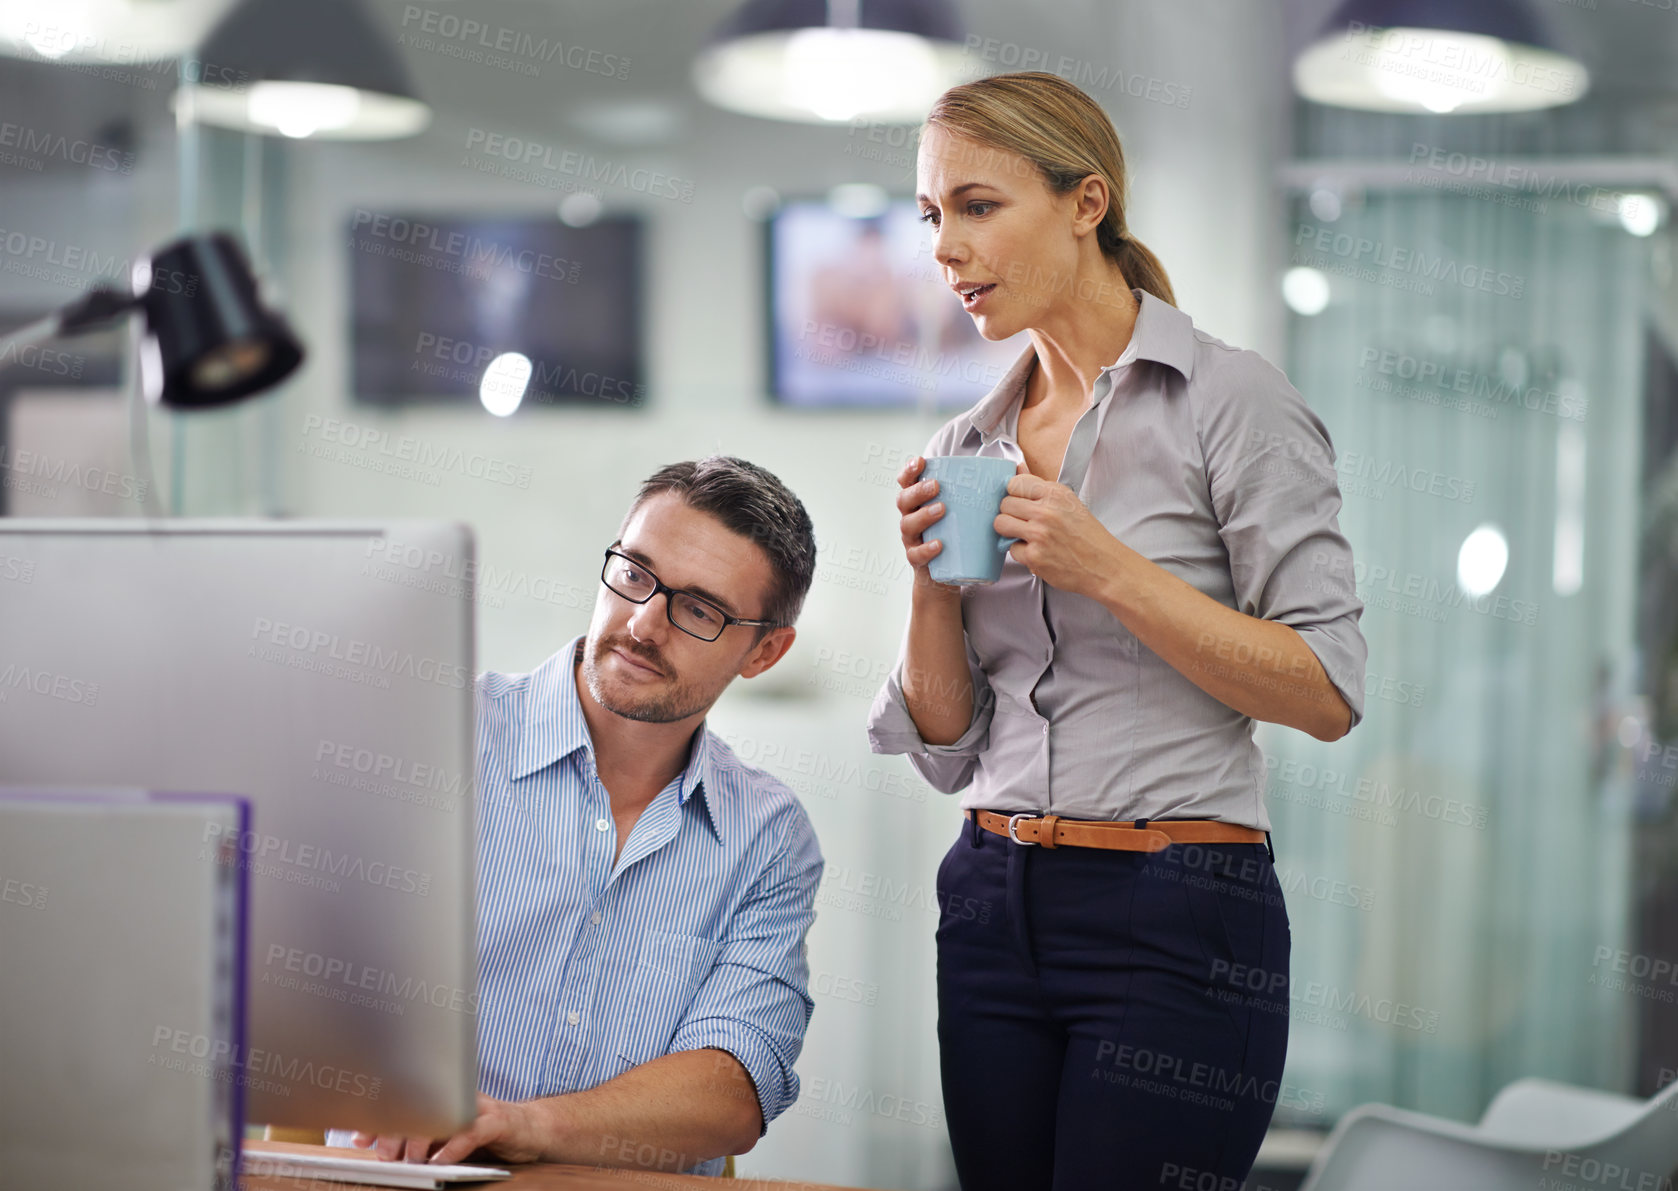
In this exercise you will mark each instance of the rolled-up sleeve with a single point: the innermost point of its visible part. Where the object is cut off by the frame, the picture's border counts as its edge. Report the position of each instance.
(947, 768)
(1271, 469)
(755, 1003)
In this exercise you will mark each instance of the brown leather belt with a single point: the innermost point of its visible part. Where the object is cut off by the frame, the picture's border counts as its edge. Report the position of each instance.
(1143, 835)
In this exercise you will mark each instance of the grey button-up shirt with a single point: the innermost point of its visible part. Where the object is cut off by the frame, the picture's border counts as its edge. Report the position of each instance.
(1206, 461)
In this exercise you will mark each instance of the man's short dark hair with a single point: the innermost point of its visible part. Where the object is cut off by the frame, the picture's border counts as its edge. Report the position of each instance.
(754, 504)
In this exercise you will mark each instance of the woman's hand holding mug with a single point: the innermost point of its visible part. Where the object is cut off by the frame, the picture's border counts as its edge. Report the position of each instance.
(918, 501)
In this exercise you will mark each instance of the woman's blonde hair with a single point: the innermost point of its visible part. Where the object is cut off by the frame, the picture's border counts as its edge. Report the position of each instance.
(1063, 132)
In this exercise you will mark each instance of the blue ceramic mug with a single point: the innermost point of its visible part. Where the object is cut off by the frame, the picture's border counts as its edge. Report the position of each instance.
(971, 489)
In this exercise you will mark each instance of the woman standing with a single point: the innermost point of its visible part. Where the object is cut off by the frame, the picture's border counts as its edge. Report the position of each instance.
(1112, 943)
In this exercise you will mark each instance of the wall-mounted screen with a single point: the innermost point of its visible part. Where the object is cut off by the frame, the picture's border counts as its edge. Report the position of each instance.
(506, 311)
(860, 314)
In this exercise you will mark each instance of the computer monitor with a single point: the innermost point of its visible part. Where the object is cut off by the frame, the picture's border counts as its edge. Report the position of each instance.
(325, 670)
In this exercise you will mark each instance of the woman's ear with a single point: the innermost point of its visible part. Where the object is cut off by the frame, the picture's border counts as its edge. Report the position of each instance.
(1093, 201)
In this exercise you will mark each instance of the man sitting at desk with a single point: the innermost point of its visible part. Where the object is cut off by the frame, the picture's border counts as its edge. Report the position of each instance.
(643, 896)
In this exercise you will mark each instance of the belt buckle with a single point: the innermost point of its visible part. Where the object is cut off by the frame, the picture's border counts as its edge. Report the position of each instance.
(1014, 819)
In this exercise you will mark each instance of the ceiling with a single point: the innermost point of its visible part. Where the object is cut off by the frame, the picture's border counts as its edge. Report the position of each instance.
(1630, 50)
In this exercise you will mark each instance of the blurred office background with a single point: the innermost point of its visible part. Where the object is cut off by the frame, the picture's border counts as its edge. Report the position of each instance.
(1479, 304)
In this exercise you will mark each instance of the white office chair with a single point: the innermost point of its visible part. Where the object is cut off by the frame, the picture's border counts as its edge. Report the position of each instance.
(1535, 1133)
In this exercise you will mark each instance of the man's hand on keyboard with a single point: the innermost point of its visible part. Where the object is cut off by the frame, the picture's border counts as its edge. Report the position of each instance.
(508, 1130)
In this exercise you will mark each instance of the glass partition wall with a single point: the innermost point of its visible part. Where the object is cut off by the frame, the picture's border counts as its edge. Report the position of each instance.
(1476, 873)
(228, 462)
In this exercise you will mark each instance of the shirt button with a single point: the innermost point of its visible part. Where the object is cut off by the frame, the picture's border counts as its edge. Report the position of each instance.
(601, 825)
(573, 1017)
(595, 918)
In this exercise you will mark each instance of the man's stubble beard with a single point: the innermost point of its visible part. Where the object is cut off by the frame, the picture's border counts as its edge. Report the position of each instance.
(665, 708)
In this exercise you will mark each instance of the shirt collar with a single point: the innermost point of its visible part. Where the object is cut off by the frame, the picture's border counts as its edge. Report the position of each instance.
(1162, 333)
(553, 728)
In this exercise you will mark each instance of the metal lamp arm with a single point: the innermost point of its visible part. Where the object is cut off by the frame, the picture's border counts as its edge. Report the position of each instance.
(99, 306)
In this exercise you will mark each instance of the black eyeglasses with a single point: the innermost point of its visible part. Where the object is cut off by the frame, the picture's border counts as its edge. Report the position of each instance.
(694, 615)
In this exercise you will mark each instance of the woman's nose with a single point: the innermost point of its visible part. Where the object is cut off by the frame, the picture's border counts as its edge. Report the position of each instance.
(946, 247)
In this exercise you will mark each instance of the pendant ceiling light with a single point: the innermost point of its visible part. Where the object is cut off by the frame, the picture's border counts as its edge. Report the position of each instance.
(833, 61)
(1440, 56)
(106, 30)
(307, 68)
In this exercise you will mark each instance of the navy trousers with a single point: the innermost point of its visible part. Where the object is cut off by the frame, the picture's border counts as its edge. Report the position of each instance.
(1109, 1019)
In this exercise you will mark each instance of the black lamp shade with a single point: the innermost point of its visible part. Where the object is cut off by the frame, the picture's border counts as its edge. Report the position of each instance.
(216, 342)
(1444, 71)
(314, 68)
(309, 41)
(1507, 20)
(811, 61)
(935, 19)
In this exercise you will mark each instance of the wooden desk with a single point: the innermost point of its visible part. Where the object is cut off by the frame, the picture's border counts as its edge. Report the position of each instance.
(540, 1176)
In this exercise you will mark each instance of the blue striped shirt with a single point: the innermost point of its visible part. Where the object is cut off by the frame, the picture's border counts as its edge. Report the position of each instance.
(694, 938)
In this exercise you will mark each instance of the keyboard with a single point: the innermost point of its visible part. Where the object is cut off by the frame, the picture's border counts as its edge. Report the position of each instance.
(318, 1162)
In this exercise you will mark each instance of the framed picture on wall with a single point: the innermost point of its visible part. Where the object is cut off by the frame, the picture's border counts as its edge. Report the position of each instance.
(860, 314)
(504, 311)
